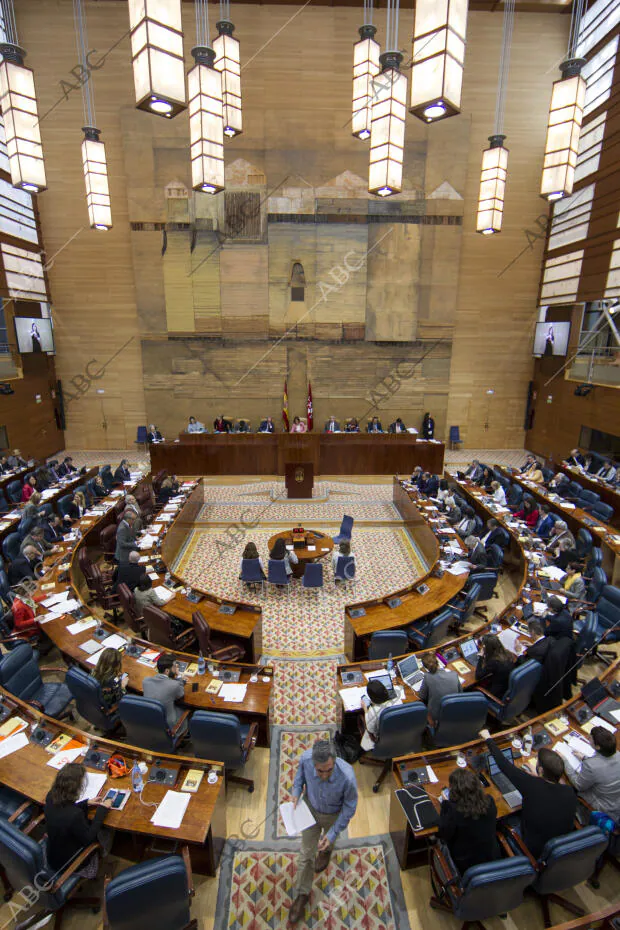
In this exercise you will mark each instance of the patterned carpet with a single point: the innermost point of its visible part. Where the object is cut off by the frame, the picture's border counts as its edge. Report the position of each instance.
(304, 691)
(292, 513)
(287, 747)
(358, 890)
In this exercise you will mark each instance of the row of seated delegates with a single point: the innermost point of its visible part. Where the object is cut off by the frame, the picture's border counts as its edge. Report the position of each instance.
(279, 552)
(607, 470)
(12, 462)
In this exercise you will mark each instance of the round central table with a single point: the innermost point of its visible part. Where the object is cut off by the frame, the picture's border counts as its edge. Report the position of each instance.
(313, 538)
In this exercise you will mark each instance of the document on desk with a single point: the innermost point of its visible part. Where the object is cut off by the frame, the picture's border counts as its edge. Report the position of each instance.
(352, 697)
(551, 571)
(80, 625)
(579, 744)
(510, 641)
(171, 810)
(459, 568)
(12, 744)
(296, 819)
(57, 598)
(114, 641)
(64, 607)
(233, 692)
(568, 755)
(94, 783)
(164, 593)
(146, 542)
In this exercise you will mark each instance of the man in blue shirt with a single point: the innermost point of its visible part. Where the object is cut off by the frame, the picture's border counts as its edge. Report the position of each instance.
(331, 795)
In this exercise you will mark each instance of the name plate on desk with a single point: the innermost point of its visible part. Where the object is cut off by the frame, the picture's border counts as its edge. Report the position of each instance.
(393, 602)
(227, 609)
(356, 613)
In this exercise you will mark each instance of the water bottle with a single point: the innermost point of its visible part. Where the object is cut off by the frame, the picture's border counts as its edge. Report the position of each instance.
(136, 778)
(201, 664)
(167, 578)
(390, 666)
(528, 742)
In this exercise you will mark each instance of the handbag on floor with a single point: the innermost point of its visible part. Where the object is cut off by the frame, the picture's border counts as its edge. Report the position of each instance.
(347, 746)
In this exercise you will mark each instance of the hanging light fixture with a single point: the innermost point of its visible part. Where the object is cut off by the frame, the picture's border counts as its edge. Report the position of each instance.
(437, 58)
(18, 103)
(495, 158)
(389, 108)
(365, 69)
(565, 116)
(93, 150)
(157, 56)
(206, 124)
(228, 63)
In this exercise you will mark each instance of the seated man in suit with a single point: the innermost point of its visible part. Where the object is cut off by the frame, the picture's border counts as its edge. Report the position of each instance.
(267, 426)
(429, 484)
(539, 646)
(153, 434)
(24, 565)
(36, 540)
(374, 426)
(493, 534)
(544, 524)
(220, 425)
(474, 472)
(15, 460)
(242, 427)
(66, 467)
(332, 425)
(529, 464)
(195, 426)
(165, 687)
(352, 426)
(122, 473)
(417, 476)
(559, 483)
(129, 572)
(397, 426)
(476, 553)
(597, 779)
(54, 529)
(558, 621)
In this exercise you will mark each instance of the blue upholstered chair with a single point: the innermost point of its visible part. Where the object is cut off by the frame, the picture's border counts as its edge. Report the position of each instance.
(344, 533)
(4, 505)
(465, 605)
(313, 577)
(521, 686)
(588, 499)
(583, 544)
(10, 546)
(483, 891)
(13, 492)
(252, 573)
(608, 613)
(564, 862)
(345, 569)
(487, 582)
(495, 556)
(15, 808)
(86, 691)
(63, 504)
(277, 576)
(155, 893)
(431, 632)
(400, 733)
(388, 642)
(141, 437)
(223, 738)
(461, 717)
(455, 437)
(20, 674)
(594, 560)
(573, 491)
(514, 496)
(23, 862)
(603, 512)
(587, 637)
(145, 723)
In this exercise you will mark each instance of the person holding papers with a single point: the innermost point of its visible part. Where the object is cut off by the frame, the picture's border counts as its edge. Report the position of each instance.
(330, 792)
(374, 704)
(558, 621)
(597, 779)
(69, 830)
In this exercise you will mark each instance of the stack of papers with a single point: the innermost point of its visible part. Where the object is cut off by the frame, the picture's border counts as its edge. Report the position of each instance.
(114, 641)
(233, 692)
(352, 697)
(552, 572)
(81, 625)
(147, 542)
(578, 744)
(94, 783)
(171, 810)
(296, 819)
(164, 593)
(458, 568)
(12, 744)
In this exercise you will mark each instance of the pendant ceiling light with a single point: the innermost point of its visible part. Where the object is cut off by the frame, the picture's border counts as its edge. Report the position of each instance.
(437, 58)
(365, 69)
(389, 108)
(565, 116)
(228, 63)
(206, 125)
(157, 56)
(495, 158)
(18, 103)
(93, 150)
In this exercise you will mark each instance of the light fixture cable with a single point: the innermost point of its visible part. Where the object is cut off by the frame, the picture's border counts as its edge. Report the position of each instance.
(504, 66)
(202, 23)
(81, 39)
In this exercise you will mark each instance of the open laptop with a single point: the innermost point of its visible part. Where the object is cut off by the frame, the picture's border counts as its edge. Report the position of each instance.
(410, 671)
(596, 695)
(469, 649)
(389, 685)
(511, 796)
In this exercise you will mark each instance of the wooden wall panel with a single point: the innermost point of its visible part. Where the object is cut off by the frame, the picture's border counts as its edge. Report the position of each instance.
(245, 308)
(178, 287)
(32, 426)
(393, 279)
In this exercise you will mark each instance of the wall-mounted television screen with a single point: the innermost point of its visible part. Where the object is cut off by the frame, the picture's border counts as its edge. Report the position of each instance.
(551, 338)
(34, 334)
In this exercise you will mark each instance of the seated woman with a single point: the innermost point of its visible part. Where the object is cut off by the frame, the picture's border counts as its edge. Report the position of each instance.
(77, 507)
(251, 552)
(494, 663)
(144, 594)
(99, 489)
(467, 821)
(69, 830)
(485, 479)
(499, 495)
(280, 552)
(443, 493)
(536, 475)
(566, 553)
(166, 491)
(343, 549)
(529, 512)
(436, 684)
(574, 585)
(298, 426)
(374, 703)
(30, 486)
(467, 524)
(109, 674)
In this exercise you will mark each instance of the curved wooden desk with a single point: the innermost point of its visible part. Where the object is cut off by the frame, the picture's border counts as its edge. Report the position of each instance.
(607, 494)
(203, 827)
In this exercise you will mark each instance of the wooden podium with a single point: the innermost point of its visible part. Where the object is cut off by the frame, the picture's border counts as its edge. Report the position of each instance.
(299, 479)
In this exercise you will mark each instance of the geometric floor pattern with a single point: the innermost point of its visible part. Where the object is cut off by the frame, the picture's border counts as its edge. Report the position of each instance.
(304, 691)
(353, 893)
(292, 745)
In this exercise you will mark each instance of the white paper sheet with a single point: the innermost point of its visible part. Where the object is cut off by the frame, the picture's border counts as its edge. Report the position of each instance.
(431, 775)
(81, 625)
(233, 692)
(378, 672)
(60, 759)
(12, 744)
(458, 568)
(164, 593)
(90, 646)
(146, 542)
(56, 598)
(352, 697)
(579, 744)
(153, 576)
(94, 783)
(171, 811)
(64, 607)
(296, 819)
(94, 657)
(114, 641)
(615, 714)
(563, 750)
(508, 639)
(551, 571)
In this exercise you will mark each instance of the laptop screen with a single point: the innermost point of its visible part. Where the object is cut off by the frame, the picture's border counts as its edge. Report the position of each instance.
(469, 648)
(408, 666)
(387, 681)
(493, 766)
(593, 692)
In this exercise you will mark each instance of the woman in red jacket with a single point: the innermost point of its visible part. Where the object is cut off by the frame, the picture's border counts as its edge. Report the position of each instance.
(28, 489)
(528, 512)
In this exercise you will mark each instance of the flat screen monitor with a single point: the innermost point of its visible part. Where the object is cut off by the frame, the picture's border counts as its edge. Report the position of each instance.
(551, 338)
(34, 334)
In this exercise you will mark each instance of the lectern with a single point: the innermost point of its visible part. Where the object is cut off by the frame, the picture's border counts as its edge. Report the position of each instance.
(299, 479)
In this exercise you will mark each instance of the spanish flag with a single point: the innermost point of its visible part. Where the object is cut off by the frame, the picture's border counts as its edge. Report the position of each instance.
(285, 407)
